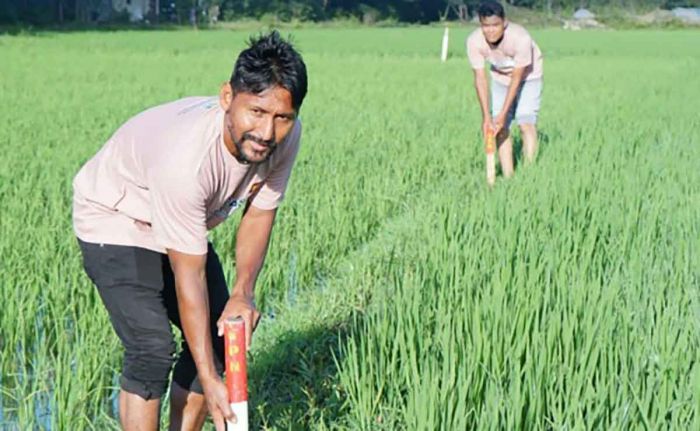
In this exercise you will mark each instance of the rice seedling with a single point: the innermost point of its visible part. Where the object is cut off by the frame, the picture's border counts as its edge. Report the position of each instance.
(399, 292)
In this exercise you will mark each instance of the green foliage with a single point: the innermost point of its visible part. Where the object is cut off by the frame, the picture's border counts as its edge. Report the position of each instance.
(46, 12)
(670, 4)
(405, 294)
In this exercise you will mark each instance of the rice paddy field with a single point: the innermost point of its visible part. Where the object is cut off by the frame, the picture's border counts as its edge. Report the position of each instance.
(399, 291)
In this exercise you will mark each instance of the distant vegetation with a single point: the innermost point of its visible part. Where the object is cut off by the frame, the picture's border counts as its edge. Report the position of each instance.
(399, 292)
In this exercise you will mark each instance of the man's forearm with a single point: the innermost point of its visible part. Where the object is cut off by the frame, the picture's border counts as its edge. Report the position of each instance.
(482, 93)
(193, 304)
(252, 241)
(515, 80)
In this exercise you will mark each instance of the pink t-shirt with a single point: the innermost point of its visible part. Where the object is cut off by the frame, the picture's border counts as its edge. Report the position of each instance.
(165, 178)
(517, 49)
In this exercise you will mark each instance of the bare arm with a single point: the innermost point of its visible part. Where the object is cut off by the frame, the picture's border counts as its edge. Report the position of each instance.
(193, 304)
(481, 84)
(515, 80)
(251, 248)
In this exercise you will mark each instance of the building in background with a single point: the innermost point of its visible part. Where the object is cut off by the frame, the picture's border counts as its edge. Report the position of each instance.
(138, 10)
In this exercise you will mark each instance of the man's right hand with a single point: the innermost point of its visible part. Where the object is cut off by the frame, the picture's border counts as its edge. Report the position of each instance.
(217, 401)
(487, 126)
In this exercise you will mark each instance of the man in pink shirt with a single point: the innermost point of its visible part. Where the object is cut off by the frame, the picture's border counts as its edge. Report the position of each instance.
(516, 80)
(142, 207)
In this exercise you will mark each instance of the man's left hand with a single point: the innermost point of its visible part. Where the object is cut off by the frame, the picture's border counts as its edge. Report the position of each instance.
(243, 306)
(499, 122)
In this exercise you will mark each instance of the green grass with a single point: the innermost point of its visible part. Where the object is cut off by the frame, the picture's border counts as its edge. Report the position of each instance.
(405, 294)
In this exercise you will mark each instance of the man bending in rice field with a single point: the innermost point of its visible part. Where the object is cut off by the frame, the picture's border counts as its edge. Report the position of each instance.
(516, 80)
(143, 205)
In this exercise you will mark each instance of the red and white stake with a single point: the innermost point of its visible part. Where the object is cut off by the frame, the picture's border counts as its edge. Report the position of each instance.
(490, 149)
(236, 373)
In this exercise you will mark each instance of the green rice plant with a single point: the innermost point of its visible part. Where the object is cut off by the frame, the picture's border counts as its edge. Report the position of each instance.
(399, 292)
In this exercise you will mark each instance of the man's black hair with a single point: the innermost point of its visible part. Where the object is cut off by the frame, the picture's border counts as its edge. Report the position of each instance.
(269, 61)
(490, 8)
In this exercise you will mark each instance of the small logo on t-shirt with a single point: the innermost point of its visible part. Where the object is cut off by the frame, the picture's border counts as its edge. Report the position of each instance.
(228, 207)
(255, 188)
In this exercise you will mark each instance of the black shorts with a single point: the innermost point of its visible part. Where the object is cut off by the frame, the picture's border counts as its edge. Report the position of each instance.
(137, 287)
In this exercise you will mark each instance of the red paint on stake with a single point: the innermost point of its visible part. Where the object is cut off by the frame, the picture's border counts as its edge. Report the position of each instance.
(490, 142)
(236, 372)
(490, 148)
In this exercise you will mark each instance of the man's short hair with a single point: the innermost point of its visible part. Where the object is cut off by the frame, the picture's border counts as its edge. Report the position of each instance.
(490, 8)
(270, 61)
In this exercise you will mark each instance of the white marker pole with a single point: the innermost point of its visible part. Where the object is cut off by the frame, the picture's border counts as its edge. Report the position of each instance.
(445, 44)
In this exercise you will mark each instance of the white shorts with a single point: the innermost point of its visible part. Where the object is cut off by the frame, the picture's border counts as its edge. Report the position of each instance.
(526, 105)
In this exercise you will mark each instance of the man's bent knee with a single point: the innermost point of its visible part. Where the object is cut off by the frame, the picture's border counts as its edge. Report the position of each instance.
(527, 121)
(146, 374)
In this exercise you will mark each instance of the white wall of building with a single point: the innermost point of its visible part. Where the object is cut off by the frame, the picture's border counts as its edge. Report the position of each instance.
(138, 9)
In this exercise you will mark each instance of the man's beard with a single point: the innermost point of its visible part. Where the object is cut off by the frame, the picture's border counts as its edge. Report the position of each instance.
(498, 42)
(271, 145)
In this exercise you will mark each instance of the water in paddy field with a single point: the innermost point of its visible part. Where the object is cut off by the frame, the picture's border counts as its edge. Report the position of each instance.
(42, 406)
(114, 397)
(42, 411)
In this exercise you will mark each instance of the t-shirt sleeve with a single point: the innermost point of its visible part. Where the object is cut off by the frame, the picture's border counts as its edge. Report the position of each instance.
(178, 209)
(476, 57)
(523, 51)
(272, 192)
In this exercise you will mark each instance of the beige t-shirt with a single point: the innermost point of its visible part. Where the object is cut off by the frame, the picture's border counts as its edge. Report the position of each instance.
(166, 178)
(517, 49)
